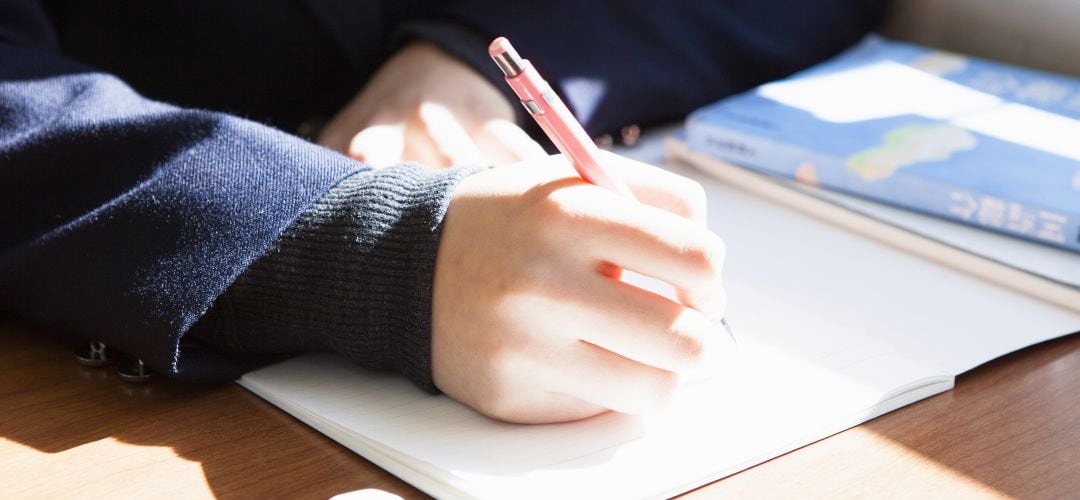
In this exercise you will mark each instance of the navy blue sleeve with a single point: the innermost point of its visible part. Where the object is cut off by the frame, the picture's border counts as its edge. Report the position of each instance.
(123, 219)
(644, 62)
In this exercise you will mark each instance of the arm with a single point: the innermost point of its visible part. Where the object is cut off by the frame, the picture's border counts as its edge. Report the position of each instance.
(124, 219)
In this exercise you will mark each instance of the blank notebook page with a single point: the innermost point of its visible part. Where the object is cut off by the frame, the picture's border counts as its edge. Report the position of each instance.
(761, 403)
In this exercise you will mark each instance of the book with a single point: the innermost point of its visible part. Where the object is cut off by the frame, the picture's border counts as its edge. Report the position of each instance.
(835, 328)
(970, 140)
(1046, 262)
(1046, 273)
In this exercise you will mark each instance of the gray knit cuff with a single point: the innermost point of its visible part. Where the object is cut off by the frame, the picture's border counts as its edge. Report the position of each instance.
(352, 275)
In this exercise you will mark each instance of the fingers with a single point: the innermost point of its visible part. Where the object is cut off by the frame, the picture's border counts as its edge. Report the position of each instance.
(421, 148)
(659, 188)
(389, 144)
(507, 136)
(436, 138)
(633, 351)
(610, 230)
(495, 142)
(606, 379)
(451, 139)
(659, 245)
(439, 104)
(647, 327)
(379, 145)
(669, 248)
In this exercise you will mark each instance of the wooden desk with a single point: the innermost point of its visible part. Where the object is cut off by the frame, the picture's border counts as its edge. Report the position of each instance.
(1011, 427)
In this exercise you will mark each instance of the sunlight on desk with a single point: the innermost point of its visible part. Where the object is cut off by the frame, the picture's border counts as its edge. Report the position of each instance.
(130, 471)
(895, 469)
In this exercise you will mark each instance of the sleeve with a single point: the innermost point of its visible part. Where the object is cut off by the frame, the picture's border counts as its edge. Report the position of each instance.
(122, 220)
(353, 275)
(644, 62)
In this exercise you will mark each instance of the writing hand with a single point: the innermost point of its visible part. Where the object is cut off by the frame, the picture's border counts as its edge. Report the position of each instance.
(529, 324)
(426, 106)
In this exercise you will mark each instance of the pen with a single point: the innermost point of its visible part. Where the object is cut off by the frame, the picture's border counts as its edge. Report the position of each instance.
(555, 119)
(553, 116)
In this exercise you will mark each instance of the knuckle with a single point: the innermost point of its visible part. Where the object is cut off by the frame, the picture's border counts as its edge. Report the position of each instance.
(551, 215)
(558, 207)
(695, 190)
(635, 233)
(706, 255)
(694, 197)
(687, 337)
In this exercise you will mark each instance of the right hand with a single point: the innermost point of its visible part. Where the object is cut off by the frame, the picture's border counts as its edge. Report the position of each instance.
(531, 324)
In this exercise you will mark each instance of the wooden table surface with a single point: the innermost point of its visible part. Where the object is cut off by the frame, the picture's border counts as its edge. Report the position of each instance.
(1009, 428)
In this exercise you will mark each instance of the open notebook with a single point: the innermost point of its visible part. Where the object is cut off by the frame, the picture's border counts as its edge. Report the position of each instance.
(834, 328)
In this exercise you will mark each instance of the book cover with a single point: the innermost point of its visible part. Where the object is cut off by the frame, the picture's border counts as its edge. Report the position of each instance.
(984, 143)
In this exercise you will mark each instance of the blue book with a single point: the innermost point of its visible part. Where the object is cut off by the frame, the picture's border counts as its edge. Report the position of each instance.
(975, 141)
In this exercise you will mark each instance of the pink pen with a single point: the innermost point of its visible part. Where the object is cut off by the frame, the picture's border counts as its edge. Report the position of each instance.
(553, 116)
(545, 106)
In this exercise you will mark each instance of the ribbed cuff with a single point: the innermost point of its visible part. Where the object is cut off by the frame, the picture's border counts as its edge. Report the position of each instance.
(352, 275)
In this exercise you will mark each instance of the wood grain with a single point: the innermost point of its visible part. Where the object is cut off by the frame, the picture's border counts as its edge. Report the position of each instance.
(71, 431)
(1010, 428)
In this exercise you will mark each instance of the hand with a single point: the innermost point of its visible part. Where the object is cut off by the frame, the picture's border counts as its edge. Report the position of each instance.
(426, 106)
(529, 324)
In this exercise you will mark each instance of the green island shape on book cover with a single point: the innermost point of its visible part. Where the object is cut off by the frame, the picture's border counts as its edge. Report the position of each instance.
(909, 145)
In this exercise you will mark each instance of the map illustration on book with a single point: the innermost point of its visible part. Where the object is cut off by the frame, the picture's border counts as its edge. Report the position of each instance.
(984, 143)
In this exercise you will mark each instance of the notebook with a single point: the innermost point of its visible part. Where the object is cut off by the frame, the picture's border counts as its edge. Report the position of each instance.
(835, 328)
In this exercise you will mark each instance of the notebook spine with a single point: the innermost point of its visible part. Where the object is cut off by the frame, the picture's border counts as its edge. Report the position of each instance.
(958, 203)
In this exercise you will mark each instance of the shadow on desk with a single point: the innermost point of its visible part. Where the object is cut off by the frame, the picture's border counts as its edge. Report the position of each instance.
(84, 419)
(1010, 427)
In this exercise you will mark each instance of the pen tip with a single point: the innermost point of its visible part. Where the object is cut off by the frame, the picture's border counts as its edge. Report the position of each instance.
(730, 332)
